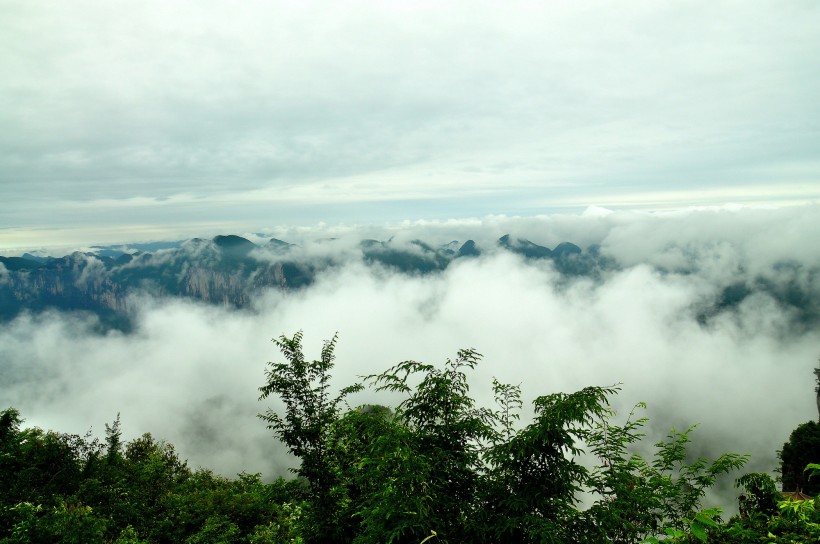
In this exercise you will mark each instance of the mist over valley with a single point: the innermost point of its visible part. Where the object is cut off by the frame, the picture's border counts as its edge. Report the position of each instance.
(709, 317)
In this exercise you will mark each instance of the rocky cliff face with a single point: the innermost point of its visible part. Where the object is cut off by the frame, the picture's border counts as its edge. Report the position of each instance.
(103, 285)
(228, 270)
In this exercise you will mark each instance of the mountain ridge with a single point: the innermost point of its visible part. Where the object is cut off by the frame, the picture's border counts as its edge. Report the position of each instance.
(230, 270)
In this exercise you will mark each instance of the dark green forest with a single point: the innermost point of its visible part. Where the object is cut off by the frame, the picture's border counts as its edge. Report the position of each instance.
(437, 467)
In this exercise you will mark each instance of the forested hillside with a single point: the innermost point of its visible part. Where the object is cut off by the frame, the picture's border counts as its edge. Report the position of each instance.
(436, 467)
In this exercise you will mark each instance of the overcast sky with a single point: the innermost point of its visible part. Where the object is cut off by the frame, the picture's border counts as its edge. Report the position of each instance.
(137, 120)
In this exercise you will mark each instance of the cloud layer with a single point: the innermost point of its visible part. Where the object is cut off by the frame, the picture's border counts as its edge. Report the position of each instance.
(189, 372)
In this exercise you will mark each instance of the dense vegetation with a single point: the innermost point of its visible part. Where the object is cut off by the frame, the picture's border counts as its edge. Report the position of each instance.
(436, 468)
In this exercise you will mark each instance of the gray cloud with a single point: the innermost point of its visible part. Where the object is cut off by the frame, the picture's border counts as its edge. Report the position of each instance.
(202, 112)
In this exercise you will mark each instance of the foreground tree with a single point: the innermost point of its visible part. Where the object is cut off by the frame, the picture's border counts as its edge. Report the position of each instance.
(802, 448)
(304, 386)
(310, 411)
(437, 468)
(442, 468)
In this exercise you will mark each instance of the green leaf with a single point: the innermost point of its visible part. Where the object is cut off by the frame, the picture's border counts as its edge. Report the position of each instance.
(704, 520)
(698, 531)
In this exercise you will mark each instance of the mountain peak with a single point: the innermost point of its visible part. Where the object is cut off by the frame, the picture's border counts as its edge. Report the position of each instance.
(564, 249)
(524, 247)
(233, 241)
(276, 243)
(468, 249)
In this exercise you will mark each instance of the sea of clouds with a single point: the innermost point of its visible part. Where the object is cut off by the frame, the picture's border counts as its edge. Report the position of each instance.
(189, 372)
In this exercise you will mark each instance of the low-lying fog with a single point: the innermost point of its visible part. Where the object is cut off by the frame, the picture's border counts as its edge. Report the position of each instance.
(189, 372)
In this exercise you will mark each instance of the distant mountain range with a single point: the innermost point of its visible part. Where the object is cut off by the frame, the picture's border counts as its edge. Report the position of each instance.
(227, 270)
(230, 270)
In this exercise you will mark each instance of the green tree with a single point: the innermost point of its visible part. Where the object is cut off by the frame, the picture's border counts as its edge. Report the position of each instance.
(304, 388)
(153, 473)
(535, 477)
(385, 495)
(441, 468)
(802, 448)
(128, 536)
(309, 410)
(447, 433)
(67, 488)
(113, 440)
(682, 484)
(760, 495)
(39, 466)
(218, 529)
(626, 509)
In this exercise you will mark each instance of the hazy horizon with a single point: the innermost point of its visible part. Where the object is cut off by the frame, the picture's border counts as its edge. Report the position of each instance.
(438, 230)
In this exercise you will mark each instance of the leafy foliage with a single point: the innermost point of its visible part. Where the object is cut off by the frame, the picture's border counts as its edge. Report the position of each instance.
(760, 495)
(802, 448)
(684, 484)
(442, 468)
(67, 488)
(303, 386)
(436, 468)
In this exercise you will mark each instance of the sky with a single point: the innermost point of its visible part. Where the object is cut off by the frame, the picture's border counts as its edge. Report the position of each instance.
(143, 120)
(680, 136)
